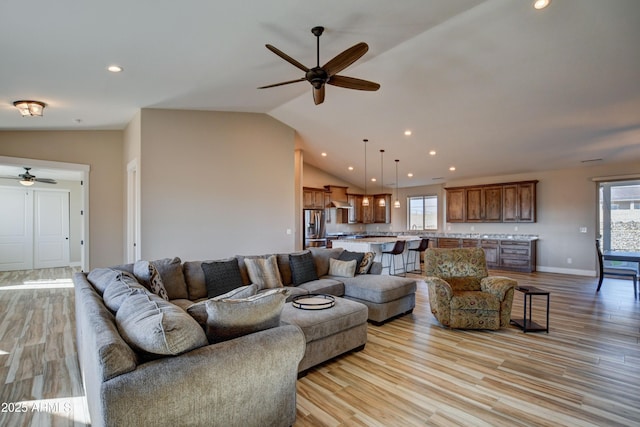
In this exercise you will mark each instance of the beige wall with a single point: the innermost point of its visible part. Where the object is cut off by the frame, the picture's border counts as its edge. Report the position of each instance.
(215, 184)
(102, 151)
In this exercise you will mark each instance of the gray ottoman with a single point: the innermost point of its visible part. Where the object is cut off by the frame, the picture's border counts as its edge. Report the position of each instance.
(329, 333)
(385, 296)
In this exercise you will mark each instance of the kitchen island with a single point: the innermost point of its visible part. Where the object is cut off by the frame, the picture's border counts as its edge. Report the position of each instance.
(376, 245)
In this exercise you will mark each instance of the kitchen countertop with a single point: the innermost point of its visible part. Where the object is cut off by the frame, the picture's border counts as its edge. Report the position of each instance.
(361, 236)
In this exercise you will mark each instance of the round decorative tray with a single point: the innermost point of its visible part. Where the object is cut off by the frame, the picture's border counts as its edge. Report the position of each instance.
(313, 302)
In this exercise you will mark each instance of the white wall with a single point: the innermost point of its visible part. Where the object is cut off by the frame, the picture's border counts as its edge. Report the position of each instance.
(215, 184)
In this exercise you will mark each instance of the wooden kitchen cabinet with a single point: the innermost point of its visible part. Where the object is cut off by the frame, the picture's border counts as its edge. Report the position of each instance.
(483, 204)
(382, 214)
(519, 202)
(518, 255)
(448, 242)
(355, 213)
(455, 205)
(504, 202)
(491, 252)
(313, 198)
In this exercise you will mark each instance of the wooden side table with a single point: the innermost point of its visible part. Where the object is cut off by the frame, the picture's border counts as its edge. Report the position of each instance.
(526, 323)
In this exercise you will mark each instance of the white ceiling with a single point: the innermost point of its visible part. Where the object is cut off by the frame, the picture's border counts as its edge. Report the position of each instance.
(493, 86)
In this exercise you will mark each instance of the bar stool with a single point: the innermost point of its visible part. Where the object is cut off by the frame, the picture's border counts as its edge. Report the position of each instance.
(424, 244)
(398, 249)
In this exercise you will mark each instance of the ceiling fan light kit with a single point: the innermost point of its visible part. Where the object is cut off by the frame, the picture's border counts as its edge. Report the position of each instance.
(30, 108)
(328, 73)
(27, 179)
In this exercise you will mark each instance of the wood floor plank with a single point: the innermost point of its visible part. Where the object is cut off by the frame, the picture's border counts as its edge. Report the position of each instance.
(412, 371)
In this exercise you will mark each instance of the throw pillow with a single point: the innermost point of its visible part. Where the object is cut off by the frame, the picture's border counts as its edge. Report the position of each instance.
(221, 276)
(170, 270)
(348, 256)
(264, 272)
(233, 318)
(155, 326)
(198, 310)
(148, 275)
(366, 263)
(342, 268)
(303, 269)
(122, 285)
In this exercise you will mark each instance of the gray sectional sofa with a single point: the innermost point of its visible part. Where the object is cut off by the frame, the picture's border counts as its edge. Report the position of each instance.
(249, 380)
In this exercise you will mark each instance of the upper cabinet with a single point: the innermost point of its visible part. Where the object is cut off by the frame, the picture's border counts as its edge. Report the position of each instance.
(313, 198)
(519, 202)
(505, 202)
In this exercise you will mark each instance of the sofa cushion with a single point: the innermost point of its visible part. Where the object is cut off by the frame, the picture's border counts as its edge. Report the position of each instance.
(324, 285)
(194, 277)
(232, 318)
(366, 263)
(149, 277)
(221, 276)
(122, 285)
(348, 256)
(100, 278)
(264, 272)
(319, 324)
(170, 270)
(378, 288)
(342, 268)
(321, 258)
(198, 310)
(303, 269)
(150, 324)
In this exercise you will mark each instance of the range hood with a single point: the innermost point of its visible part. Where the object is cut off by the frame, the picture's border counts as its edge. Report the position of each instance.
(340, 204)
(338, 196)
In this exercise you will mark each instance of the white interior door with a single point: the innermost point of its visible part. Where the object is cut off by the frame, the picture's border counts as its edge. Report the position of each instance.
(51, 230)
(16, 229)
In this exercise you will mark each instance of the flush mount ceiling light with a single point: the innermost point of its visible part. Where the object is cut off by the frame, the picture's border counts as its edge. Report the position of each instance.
(541, 4)
(114, 68)
(30, 108)
(382, 203)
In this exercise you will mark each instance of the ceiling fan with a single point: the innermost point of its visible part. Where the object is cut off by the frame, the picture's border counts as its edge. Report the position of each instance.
(27, 179)
(318, 75)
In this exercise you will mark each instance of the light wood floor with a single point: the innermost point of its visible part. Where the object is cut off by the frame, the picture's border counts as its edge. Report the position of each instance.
(585, 372)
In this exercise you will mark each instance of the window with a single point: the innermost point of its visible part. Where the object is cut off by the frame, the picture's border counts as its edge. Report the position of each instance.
(620, 215)
(422, 213)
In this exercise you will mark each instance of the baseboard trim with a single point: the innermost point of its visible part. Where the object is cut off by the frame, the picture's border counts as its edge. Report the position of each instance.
(571, 271)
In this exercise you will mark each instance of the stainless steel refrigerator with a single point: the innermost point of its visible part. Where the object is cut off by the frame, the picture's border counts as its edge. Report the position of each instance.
(314, 230)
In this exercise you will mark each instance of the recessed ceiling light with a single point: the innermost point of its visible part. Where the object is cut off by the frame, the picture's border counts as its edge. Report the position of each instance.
(373, 180)
(432, 152)
(452, 168)
(324, 154)
(541, 4)
(410, 175)
(350, 168)
(407, 132)
(115, 68)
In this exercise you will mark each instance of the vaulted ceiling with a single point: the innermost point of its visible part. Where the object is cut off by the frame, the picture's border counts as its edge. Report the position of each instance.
(493, 87)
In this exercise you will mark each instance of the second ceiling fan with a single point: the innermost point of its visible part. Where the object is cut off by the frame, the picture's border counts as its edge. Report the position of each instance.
(318, 75)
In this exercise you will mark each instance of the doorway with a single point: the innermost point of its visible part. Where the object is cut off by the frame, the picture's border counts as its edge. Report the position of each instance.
(52, 229)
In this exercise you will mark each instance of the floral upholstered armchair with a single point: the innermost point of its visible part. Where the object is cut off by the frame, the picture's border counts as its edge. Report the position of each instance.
(461, 293)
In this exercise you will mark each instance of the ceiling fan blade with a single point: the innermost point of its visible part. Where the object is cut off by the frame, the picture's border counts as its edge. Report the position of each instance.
(318, 95)
(353, 83)
(46, 180)
(346, 58)
(283, 83)
(286, 57)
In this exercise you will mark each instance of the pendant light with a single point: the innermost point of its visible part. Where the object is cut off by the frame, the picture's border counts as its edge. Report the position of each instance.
(365, 199)
(396, 204)
(382, 203)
